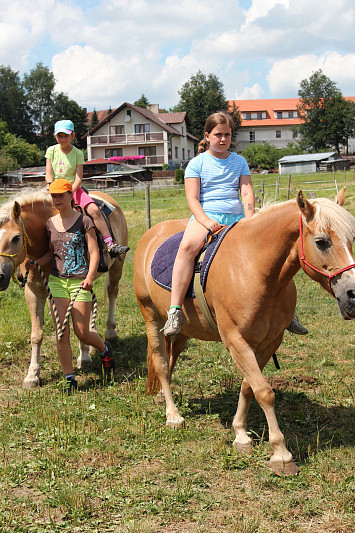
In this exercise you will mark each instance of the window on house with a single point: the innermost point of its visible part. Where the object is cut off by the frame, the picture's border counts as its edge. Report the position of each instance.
(294, 133)
(183, 153)
(129, 112)
(141, 128)
(252, 136)
(248, 116)
(290, 114)
(176, 152)
(259, 116)
(117, 130)
(113, 152)
(278, 134)
(279, 114)
(147, 150)
(188, 154)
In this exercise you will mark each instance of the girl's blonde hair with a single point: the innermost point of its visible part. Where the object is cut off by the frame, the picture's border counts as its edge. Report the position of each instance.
(214, 120)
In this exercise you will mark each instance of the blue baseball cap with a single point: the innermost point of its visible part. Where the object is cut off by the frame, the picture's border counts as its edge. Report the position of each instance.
(63, 126)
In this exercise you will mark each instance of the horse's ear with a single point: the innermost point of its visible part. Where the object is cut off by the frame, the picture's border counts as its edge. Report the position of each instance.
(340, 197)
(16, 210)
(305, 206)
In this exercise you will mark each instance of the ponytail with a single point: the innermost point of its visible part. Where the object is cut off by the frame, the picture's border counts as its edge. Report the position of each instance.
(203, 146)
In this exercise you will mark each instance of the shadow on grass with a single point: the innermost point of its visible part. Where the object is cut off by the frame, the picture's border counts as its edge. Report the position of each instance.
(306, 424)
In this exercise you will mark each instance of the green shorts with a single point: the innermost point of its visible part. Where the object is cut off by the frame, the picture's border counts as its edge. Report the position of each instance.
(66, 287)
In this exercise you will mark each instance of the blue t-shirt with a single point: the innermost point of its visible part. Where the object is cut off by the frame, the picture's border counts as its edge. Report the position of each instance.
(219, 181)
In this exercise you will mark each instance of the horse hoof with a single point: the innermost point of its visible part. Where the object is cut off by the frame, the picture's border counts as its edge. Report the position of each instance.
(241, 448)
(30, 384)
(84, 364)
(175, 422)
(281, 468)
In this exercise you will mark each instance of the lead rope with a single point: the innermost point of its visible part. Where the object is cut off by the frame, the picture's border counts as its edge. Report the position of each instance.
(61, 328)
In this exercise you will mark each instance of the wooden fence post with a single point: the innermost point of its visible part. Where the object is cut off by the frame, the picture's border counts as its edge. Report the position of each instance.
(262, 193)
(147, 206)
(289, 187)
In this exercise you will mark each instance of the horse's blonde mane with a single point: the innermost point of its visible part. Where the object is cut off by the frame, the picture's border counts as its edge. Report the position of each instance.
(25, 197)
(328, 214)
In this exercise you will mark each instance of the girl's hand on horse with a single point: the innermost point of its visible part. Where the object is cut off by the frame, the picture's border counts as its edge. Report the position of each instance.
(87, 284)
(213, 225)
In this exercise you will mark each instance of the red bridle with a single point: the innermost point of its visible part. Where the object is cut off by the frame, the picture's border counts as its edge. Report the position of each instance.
(329, 276)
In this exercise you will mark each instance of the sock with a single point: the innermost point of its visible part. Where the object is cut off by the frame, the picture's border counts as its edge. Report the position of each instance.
(102, 354)
(108, 241)
(176, 307)
(69, 377)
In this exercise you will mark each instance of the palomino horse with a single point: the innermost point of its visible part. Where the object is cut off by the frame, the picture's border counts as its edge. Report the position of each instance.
(22, 233)
(252, 297)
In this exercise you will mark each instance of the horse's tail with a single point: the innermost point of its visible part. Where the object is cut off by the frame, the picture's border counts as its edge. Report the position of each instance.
(153, 384)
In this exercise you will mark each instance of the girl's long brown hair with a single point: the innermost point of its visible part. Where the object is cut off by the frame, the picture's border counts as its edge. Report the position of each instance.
(213, 120)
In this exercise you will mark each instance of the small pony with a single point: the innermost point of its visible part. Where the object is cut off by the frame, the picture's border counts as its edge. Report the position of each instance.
(252, 297)
(22, 233)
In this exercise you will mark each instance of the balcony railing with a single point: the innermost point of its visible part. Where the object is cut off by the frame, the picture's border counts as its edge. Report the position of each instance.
(127, 139)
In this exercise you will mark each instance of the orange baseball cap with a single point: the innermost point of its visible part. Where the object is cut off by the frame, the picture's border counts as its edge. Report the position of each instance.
(60, 186)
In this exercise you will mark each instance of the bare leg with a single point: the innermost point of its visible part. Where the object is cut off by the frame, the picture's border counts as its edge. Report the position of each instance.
(98, 219)
(65, 353)
(80, 313)
(190, 245)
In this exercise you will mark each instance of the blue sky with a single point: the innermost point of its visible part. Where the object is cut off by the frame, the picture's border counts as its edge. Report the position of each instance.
(106, 52)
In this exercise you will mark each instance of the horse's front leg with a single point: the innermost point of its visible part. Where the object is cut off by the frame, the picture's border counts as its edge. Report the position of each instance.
(243, 442)
(281, 461)
(35, 295)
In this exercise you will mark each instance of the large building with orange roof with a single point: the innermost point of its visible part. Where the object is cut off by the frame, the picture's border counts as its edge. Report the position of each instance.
(273, 121)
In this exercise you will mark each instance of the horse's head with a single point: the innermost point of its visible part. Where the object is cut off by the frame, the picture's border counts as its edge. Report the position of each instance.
(327, 232)
(13, 244)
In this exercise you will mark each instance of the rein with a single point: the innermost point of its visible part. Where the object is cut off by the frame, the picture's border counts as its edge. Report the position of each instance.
(326, 274)
(61, 328)
(26, 241)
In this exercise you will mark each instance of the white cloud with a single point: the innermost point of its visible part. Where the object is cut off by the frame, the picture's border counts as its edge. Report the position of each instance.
(250, 93)
(260, 8)
(285, 76)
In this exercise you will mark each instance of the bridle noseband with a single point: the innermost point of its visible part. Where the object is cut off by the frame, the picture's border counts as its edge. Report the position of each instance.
(326, 274)
(26, 241)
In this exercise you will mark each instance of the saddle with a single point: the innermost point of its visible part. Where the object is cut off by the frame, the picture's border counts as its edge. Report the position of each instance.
(163, 261)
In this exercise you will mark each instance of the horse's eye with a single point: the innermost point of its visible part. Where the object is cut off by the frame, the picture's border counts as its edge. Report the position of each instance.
(323, 244)
(15, 239)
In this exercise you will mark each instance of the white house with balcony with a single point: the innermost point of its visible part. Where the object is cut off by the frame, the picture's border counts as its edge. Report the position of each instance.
(131, 131)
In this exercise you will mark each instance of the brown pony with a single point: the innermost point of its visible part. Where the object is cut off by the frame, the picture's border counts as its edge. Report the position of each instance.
(22, 233)
(252, 297)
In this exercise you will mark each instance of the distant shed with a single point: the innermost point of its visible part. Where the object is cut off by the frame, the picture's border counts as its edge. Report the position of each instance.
(306, 163)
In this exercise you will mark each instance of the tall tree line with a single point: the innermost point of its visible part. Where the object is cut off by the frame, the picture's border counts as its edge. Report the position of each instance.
(30, 106)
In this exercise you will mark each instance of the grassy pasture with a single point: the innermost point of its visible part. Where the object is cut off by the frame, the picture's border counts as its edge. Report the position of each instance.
(103, 460)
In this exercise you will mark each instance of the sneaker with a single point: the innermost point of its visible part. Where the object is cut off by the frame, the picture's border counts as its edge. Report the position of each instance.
(176, 319)
(70, 386)
(116, 250)
(296, 327)
(108, 360)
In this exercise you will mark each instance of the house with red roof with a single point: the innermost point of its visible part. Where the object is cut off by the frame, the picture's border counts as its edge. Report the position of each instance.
(273, 121)
(137, 135)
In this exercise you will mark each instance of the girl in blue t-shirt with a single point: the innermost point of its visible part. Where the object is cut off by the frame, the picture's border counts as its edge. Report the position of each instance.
(219, 191)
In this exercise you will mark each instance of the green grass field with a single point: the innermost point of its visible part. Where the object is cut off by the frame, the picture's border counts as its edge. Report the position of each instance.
(103, 460)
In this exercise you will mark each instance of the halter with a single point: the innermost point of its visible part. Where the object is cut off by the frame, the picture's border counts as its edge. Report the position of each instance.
(26, 241)
(329, 276)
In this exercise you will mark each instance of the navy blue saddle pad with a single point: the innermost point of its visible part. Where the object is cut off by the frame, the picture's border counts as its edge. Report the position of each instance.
(163, 261)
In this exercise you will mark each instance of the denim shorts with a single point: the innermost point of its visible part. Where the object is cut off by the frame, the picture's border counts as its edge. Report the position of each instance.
(223, 218)
(66, 287)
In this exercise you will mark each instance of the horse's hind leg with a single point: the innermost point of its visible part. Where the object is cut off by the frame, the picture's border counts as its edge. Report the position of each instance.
(162, 355)
(112, 280)
(35, 295)
(242, 441)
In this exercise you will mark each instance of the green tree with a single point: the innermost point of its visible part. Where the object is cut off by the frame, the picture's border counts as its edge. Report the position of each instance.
(94, 119)
(39, 86)
(261, 156)
(201, 96)
(142, 102)
(328, 119)
(15, 152)
(13, 107)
